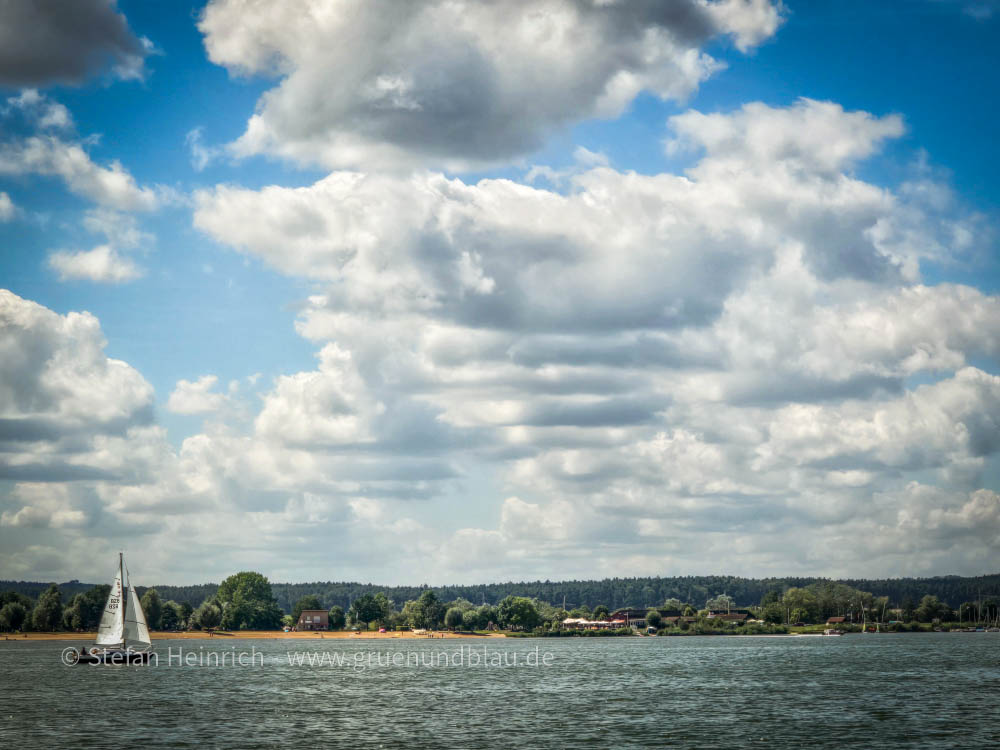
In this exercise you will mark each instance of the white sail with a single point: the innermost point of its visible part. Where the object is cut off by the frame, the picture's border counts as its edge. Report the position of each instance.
(111, 630)
(136, 632)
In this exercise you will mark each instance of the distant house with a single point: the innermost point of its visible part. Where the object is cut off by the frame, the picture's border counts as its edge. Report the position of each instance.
(730, 611)
(581, 623)
(636, 618)
(630, 613)
(313, 619)
(836, 620)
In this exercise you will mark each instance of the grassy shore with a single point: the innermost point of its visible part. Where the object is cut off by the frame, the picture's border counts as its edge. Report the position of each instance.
(265, 634)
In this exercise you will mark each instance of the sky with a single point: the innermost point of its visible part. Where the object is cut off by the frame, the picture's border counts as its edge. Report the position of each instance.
(455, 292)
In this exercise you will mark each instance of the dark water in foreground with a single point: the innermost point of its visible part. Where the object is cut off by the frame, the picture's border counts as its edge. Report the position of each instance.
(909, 690)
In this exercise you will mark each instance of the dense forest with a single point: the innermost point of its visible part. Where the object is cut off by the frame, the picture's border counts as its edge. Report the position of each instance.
(611, 592)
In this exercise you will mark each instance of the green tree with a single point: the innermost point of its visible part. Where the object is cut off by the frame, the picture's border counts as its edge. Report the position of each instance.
(186, 611)
(337, 618)
(71, 614)
(246, 584)
(152, 606)
(801, 605)
(429, 610)
(92, 606)
(654, 619)
(931, 608)
(800, 615)
(673, 604)
(310, 601)
(721, 602)
(384, 608)
(600, 612)
(248, 603)
(839, 599)
(487, 614)
(908, 610)
(773, 596)
(517, 613)
(47, 614)
(411, 614)
(397, 620)
(12, 616)
(471, 620)
(170, 616)
(453, 618)
(547, 613)
(208, 615)
(10, 597)
(365, 609)
(773, 612)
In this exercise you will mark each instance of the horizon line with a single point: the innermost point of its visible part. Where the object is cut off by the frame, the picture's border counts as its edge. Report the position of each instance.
(527, 582)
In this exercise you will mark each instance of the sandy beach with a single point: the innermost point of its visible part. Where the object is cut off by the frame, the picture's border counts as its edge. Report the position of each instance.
(242, 634)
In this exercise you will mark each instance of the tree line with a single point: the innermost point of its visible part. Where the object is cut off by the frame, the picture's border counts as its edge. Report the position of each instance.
(818, 602)
(52, 612)
(247, 600)
(612, 592)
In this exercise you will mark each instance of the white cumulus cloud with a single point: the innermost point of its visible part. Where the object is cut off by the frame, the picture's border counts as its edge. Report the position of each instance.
(101, 264)
(110, 185)
(456, 84)
(196, 397)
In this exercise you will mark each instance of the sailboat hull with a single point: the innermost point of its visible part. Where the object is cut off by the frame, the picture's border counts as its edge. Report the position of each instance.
(113, 656)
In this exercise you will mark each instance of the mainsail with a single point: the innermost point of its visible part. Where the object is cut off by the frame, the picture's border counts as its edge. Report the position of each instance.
(136, 632)
(111, 630)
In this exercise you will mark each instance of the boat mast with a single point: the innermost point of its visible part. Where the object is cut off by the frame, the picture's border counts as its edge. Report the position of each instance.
(124, 593)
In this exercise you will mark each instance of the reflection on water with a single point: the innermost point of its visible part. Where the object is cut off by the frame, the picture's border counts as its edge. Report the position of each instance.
(909, 690)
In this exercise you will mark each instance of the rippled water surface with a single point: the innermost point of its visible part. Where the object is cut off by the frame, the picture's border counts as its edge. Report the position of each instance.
(908, 690)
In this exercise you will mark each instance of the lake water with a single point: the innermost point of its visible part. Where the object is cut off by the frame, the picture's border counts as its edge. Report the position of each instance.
(907, 690)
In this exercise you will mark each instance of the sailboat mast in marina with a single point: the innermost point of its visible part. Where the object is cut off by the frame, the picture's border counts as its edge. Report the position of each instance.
(122, 635)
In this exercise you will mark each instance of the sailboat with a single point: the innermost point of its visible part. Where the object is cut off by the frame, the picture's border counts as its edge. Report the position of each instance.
(122, 635)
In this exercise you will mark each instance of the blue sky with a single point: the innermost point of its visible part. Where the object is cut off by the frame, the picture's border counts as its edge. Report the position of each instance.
(563, 291)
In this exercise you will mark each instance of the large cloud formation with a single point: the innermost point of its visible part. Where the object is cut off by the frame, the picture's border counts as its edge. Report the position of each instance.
(62, 400)
(741, 363)
(49, 41)
(77, 433)
(660, 369)
(741, 367)
(459, 83)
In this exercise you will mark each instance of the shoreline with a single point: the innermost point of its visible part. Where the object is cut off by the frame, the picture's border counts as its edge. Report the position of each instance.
(257, 635)
(341, 635)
